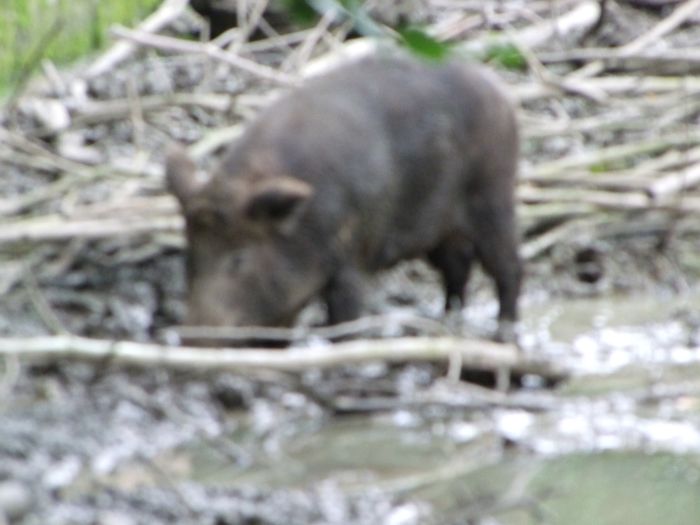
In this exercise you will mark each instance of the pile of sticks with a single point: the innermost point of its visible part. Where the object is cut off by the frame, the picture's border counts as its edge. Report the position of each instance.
(648, 116)
(611, 135)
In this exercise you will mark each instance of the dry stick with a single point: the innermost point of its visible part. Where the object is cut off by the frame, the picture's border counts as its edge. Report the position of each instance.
(548, 78)
(166, 14)
(637, 178)
(215, 139)
(54, 228)
(354, 49)
(625, 85)
(53, 190)
(138, 123)
(104, 111)
(668, 24)
(297, 60)
(42, 305)
(649, 225)
(53, 161)
(618, 180)
(459, 24)
(277, 42)
(130, 206)
(477, 354)
(630, 200)
(580, 17)
(614, 200)
(612, 85)
(674, 183)
(627, 118)
(34, 162)
(680, 59)
(177, 45)
(537, 213)
(672, 159)
(616, 153)
(248, 25)
(563, 233)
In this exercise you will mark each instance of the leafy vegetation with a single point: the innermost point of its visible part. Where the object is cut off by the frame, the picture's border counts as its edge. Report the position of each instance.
(422, 44)
(506, 56)
(415, 39)
(58, 30)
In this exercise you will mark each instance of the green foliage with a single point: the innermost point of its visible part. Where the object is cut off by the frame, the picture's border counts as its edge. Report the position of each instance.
(422, 44)
(413, 38)
(600, 167)
(59, 30)
(308, 12)
(301, 11)
(506, 56)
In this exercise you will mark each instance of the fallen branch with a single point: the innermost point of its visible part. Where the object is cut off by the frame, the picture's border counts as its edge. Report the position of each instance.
(177, 45)
(580, 18)
(620, 85)
(667, 61)
(617, 153)
(53, 228)
(632, 118)
(605, 199)
(673, 183)
(97, 112)
(476, 354)
(573, 229)
(668, 24)
(168, 11)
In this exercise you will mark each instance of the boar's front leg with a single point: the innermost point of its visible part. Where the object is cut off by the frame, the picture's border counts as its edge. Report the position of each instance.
(343, 296)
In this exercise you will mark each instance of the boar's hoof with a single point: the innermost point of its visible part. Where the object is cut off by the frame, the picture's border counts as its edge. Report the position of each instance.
(506, 332)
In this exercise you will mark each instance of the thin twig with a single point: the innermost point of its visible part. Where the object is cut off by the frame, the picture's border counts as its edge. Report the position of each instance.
(170, 10)
(177, 45)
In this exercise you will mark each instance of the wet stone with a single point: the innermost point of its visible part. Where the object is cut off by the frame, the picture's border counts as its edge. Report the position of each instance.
(15, 500)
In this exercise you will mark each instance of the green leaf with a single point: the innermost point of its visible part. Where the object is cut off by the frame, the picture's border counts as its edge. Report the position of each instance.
(301, 11)
(422, 44)
(506, 56)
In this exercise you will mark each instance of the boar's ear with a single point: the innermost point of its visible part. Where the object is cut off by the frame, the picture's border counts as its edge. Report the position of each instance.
(181, 174)
(277, 202)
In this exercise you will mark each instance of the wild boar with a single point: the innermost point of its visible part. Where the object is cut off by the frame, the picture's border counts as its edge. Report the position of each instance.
(378, 161)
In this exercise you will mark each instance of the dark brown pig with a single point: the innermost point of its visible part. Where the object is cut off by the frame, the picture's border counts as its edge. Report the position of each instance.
(378, 161)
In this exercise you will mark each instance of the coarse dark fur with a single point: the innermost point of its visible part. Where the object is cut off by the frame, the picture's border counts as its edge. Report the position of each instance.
(378, 161)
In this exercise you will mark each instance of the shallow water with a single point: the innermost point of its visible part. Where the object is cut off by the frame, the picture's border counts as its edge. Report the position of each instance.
(609, 332)
(622, 432)
(634, 400)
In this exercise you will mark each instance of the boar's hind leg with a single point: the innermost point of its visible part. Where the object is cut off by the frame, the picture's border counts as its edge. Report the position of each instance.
(497, 249)
(343, 296)
(453, 259)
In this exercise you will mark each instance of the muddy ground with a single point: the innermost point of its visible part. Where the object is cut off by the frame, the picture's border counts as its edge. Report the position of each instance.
(84, 443)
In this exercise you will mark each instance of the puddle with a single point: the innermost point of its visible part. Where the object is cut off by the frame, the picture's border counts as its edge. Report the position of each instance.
(605, 422)
(628, 420)
(606, 333)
